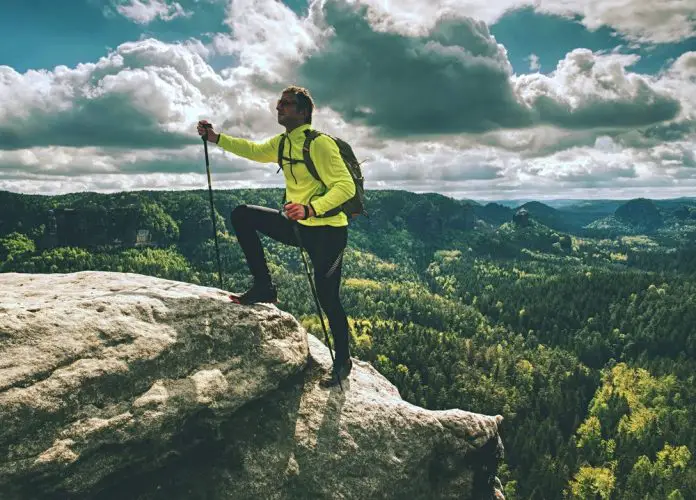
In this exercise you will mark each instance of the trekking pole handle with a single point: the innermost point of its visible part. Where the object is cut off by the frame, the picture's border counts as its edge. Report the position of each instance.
(206, 126)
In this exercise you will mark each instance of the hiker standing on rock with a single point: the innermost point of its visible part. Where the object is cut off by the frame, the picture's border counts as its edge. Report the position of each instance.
(311, 205)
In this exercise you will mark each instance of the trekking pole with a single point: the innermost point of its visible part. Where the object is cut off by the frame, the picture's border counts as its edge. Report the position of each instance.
(314, 294)
(212, 206)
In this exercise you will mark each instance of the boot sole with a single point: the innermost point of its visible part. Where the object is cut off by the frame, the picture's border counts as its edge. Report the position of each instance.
(235, 300)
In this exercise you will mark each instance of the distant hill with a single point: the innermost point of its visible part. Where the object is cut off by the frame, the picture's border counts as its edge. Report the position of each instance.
(510, 240)
(494, 213)
(432, 218)
(580, 205)
(672, 204)
(549, 216)
(586, 211)
(636, 216)
(561, 215)
(640, 213)
(684, 212)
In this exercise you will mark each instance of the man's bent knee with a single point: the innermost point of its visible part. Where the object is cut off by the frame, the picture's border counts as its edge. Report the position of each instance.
(239, 214)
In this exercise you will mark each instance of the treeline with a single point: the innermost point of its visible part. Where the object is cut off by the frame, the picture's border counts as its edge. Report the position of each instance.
(635, 330)
(586, 347)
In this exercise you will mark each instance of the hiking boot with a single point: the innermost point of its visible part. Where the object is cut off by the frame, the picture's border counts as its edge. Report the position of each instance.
(260, 292)
(340, 370)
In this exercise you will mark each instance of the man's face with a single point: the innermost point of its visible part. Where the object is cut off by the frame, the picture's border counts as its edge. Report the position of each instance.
(287, 111)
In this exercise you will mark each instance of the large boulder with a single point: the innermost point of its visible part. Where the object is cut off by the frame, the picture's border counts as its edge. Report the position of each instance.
(118, 385)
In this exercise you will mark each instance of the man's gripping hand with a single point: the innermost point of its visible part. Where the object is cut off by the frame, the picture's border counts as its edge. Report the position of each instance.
(205, 129)
(296, 211)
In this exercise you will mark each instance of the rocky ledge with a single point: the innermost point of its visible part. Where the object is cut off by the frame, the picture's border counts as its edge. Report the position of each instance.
(116, 385)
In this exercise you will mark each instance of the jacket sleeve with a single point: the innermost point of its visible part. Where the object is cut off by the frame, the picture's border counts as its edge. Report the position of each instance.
(264, 152)
(333, 172)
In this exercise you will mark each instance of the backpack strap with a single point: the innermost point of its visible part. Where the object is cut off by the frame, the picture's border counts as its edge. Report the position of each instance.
(310, 135)
(281, 158)
(280, 165)
(280, 152)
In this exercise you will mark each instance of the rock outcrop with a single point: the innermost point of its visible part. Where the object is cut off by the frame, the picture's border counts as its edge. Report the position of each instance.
(521, 218)
(118, 385)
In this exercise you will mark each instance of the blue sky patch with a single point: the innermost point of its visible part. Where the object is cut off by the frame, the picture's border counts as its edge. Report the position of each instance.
(43, 34)
(46, 33)
(299, 7)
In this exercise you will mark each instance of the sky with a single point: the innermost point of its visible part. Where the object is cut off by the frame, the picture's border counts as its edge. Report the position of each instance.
(494, 100)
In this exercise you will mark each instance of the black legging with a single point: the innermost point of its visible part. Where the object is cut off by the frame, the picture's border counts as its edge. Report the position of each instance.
(325, 246)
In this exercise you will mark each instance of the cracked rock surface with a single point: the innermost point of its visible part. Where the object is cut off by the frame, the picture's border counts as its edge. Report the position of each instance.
(116, 385)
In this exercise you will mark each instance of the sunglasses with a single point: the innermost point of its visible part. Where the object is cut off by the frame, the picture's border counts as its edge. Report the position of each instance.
(283, 103)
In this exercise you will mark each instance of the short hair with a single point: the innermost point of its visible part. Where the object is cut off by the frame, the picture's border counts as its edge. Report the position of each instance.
(304, 100)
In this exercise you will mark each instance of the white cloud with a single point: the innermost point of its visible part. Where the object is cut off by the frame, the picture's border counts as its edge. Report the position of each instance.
(672, 156)
(144, 94)
(268, 38)
(534, 62)
(593, 95)
(583, 77)
(680, 80)
(146, 11)
(127, 121)
(64, 169)
(585, 172)
(457, 65)
(637, 20)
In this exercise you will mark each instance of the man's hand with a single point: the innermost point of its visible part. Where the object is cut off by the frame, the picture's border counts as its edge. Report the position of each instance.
(296, 211)
(205, 129)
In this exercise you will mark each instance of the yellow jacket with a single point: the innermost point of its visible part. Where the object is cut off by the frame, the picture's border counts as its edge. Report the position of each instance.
(300, 186)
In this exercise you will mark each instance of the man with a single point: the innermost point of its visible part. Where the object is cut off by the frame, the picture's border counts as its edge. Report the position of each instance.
(324, 237)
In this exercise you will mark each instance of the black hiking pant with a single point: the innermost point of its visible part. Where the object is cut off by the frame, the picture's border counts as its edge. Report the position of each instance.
(325, 246)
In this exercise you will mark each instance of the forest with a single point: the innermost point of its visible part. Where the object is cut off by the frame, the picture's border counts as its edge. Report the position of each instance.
(576, 323)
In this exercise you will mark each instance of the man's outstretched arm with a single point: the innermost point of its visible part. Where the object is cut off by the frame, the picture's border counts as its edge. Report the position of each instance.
(264, 152)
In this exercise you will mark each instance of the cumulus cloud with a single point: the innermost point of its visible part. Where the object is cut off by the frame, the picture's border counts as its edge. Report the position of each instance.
(671, 156)
(534, 62)
(602, 169)
(588, 90)
(456, 78)
(593, 168)
(144, 94)
(146, 11)
(591, 95)
(433, 162)
(540, 141)
(75, 162)
(268, 38)
(64, 169)
(680, 80)
(636, 20)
